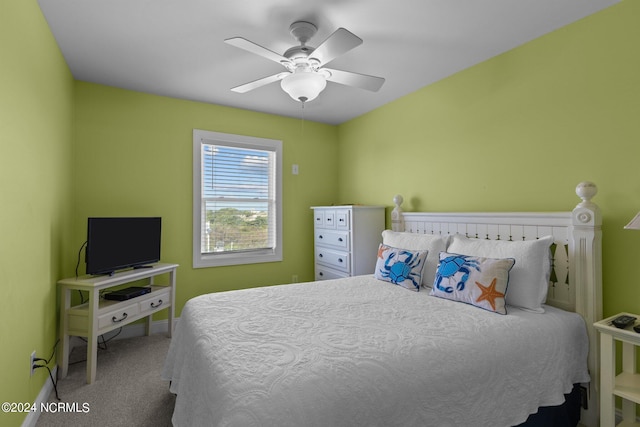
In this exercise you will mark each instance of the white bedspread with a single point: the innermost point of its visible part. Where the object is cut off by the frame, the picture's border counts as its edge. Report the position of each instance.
(361, 352)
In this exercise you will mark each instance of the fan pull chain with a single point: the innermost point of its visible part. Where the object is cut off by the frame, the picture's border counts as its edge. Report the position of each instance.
(302, 120)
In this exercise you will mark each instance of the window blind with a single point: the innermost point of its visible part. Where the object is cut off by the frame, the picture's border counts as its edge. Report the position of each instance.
(238, 199)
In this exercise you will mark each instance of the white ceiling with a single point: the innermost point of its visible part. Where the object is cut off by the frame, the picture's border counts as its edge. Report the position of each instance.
(175, 47)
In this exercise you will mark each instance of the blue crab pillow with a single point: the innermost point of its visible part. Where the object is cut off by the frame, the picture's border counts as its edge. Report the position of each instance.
(400, 266)
(478, 281)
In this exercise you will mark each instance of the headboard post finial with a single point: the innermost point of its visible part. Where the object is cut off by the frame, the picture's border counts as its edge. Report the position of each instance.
(397, 220)
(586, 190)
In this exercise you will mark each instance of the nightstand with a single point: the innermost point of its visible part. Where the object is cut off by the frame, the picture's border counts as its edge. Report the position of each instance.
(625, 385)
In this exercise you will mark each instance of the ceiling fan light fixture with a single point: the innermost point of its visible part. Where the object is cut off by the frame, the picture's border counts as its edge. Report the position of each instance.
(306, 76)
(304, 86)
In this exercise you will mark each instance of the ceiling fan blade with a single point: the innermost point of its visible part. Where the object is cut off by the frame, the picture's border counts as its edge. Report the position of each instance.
(361, 81)
(250, 46)
(338, 43)
(259, 83)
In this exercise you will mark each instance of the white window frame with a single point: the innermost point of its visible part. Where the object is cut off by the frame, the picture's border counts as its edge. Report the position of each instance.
(201, 260)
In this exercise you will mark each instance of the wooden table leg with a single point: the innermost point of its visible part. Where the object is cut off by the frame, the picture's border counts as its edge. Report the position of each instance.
(92, 336)
(607, 380)
(63, 356)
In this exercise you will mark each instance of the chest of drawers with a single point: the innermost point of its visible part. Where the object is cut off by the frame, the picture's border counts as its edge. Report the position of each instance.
(346, 240)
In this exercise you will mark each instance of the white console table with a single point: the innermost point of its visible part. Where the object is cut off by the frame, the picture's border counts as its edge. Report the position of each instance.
(97, 316)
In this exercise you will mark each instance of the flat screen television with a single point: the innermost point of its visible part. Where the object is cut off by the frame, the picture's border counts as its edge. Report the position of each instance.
(118, 243)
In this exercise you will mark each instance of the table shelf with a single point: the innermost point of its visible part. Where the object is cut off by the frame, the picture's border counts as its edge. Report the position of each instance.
(627, 386)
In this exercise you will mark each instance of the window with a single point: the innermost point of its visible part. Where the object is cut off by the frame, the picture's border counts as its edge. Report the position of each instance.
(237, 202)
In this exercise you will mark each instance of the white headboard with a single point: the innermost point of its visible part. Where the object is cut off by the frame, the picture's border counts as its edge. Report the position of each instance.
(576, 279)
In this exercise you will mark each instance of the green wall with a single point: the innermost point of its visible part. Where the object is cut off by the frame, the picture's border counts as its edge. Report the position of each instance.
(518, 132)
(36, 108)
(133, 156)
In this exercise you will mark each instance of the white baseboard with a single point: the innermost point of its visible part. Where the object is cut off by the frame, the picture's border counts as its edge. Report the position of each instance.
(43, 397)
(128, 331)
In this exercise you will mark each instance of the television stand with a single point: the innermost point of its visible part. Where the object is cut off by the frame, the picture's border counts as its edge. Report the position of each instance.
(97, 316)
(137, 267)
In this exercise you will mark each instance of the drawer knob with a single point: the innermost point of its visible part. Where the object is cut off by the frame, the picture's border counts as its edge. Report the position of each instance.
(320, 236)
(114, 319)
(321, 274)
(340, 260)
(154, 305)
(339, 239)
(320, 255)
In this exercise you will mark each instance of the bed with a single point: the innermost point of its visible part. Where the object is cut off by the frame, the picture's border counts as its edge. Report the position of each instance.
(364, 351)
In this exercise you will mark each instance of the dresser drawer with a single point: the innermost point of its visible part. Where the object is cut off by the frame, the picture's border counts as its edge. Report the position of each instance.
(318, 218)
(157, 300)
(339, 260)
(334, 239)
(325, 273)
(342, 220)
(332, 219)
(119, 315)
(329, 219)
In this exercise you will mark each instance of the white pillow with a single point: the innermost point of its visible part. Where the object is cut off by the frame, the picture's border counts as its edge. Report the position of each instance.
(419, 242)
(529, 278)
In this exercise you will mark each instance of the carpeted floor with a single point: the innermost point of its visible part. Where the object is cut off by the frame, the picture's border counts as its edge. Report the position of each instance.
(128, 390)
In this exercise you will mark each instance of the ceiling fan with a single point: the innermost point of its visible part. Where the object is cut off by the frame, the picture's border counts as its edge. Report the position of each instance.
(306, 74)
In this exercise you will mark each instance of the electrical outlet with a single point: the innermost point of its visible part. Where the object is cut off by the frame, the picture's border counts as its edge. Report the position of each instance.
(294, 278)
(32, 361)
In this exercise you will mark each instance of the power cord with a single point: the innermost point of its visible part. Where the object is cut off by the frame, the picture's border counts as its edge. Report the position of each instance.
(55, 347)
(79, 252)
(77, 266)
(103, 345)
(45, 365)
